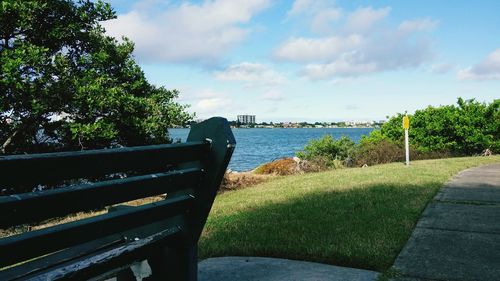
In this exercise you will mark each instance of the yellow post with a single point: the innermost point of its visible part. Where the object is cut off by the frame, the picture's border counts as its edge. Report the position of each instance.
(406, 126)
(406, 122)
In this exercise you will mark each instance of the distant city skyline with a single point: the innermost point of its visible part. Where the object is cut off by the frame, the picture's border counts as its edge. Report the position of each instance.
(318, 60)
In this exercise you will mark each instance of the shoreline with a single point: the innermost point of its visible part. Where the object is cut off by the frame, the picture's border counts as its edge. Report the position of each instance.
(258, 146)
(375, 128)
(302, 128)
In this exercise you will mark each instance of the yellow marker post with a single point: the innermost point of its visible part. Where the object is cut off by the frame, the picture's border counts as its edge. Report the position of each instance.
(406, 122)
(406, 126)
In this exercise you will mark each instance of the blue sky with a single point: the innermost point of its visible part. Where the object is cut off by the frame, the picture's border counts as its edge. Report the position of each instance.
(315, 60)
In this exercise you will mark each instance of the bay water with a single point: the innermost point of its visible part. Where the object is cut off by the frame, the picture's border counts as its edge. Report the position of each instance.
(256, 146)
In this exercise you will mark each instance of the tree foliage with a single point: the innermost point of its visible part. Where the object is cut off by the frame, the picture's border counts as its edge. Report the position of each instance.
(469, 127)
(65, 85)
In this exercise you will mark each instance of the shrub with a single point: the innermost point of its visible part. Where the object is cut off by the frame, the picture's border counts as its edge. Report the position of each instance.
(379, 152)
(328, 151)
(469, 128)
(416, 154)
(382, 151)
(282, 167)
(318, 164)
(466, 129)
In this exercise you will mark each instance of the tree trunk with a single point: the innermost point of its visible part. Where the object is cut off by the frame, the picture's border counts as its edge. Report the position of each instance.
(8, 141)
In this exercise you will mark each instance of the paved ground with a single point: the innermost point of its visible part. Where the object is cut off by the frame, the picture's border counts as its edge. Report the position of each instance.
(268, 269)
(458, 235)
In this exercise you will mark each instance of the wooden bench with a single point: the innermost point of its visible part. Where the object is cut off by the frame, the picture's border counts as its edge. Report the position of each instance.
(165, 232)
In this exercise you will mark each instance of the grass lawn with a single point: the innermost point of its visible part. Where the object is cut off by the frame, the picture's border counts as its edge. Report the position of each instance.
(360, 217)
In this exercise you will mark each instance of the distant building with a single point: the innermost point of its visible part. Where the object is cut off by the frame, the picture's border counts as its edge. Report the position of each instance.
(246, 119)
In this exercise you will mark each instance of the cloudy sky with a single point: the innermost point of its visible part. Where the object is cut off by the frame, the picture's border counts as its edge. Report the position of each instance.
(315, 59)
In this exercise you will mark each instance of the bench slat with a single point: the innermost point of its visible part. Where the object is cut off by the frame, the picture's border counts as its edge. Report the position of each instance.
(40, 242)
(36, 206)
(18, 170)
(58, 258)
(72, 254)
(100, 263)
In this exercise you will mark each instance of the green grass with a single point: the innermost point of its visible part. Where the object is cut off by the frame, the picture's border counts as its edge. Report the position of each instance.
(360, 217)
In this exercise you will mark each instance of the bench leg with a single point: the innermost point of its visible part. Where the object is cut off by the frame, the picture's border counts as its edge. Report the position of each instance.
(179, 264)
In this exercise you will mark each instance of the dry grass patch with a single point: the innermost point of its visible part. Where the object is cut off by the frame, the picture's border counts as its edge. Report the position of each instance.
(282, 167)
(233, 181)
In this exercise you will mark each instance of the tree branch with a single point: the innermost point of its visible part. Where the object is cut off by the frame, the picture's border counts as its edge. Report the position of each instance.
(8, 142)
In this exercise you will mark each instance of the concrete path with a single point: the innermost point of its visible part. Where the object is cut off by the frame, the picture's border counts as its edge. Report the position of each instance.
(458, 236)
(269, 269)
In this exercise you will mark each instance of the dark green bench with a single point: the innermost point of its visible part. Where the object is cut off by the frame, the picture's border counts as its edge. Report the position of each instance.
(165, 233)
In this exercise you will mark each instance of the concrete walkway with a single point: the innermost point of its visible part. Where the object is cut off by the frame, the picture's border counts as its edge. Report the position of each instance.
(269, 269)
(458, 236)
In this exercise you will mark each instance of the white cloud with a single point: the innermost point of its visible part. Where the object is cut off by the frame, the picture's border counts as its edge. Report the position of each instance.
(384, 52)
(273, 95)
(186, 32)
(441, 68)
(361, 43)
(211, 105)
(344, 66)
(317, 49)
(426, 24)
(323, 14)
(208, 102)
(252, 74)
(320, 13)
(363, 19)
(301, 7)
(321, 23)
(487, 69)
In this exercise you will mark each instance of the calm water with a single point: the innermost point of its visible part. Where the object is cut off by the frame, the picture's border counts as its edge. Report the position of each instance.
(257, 146)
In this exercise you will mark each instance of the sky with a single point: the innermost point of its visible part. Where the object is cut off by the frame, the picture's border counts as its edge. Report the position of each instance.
(315, 60)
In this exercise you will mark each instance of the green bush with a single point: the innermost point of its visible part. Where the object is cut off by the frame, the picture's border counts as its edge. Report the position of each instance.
(387, 151)
(378, 152)
(416, 154)
(466, 129)
(329, 151)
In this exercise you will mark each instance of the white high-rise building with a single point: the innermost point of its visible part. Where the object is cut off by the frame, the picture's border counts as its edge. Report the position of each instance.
(246, 119)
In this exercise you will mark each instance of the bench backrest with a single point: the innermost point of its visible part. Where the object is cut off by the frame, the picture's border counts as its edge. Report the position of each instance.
(188, 173)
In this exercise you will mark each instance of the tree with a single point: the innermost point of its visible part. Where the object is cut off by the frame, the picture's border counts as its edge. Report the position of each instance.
(65, 85)
(465, 129)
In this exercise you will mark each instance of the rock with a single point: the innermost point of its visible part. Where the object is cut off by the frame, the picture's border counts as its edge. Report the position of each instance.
(296, 159)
